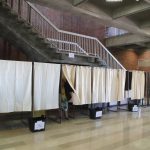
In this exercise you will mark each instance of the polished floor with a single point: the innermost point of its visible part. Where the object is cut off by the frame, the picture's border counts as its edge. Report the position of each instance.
(115, 131)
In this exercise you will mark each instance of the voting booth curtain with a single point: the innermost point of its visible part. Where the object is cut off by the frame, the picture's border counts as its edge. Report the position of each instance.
(95, 86)
(137, 85)
(15, 86)
(115, 84)
(98, 87)
(121, 84)
(46, 86)
(69, 73)
(83, 85)
(89, 86)
(79, 78)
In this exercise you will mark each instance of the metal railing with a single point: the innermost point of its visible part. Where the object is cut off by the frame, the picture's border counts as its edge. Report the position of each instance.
(91, 45)
(67, 46)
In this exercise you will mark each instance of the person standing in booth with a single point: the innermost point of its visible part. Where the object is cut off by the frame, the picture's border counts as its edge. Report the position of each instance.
(64, 100)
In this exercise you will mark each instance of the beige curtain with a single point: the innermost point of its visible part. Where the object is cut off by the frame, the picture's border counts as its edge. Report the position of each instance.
(46, 86)
(23, 81)
(98, 88)
(109, 81)
(83, 86)
(15, 86)
(134, 86)
(7, 86)
(115, 84)
(69, 73)
(137, 85)
(142, 84)
(121, 84)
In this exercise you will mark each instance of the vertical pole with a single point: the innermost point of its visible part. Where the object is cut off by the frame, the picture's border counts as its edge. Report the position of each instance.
(146, 94)
(105, 89)
(147, 88)
(11, 4)
(29, 14)
(128, 74)
(32, 89)
(92, 85)
(60, 84)
(19, 8)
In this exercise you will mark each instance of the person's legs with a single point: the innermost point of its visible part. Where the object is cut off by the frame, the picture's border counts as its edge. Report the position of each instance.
(64, 105)
(66, 109)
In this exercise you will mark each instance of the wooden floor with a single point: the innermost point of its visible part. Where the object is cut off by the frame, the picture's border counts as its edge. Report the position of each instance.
(115, 131)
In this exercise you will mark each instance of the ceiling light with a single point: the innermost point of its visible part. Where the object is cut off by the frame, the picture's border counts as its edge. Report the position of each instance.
(114, 0)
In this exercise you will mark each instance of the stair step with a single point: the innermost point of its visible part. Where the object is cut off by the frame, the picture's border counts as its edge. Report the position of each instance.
(42, 45)
(27, 26)
(33, 32)
(40, 39)
(98, 59)
(20, 21)
(6, 7)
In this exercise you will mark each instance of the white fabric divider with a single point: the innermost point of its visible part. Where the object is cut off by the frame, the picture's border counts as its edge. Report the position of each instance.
(69, 73)
(137, 85)
(115, 85)
(121, 86)
(142, 85)
(98, 88)
(109, 81)
(46, 86)
(7, 86)
(15, 86)
(83, 86)
(23, 81)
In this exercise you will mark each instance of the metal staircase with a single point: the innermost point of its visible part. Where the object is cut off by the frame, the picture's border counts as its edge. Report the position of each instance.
(63, 41)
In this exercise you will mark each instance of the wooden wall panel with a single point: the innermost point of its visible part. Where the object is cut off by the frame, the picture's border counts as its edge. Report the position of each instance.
(9, 52)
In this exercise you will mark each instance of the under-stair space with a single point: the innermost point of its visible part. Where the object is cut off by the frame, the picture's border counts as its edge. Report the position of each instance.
(23, 36)
(39, 38)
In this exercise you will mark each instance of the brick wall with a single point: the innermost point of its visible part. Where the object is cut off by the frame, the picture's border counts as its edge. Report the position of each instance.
(74, 23)
(129, 58)
(145, 55)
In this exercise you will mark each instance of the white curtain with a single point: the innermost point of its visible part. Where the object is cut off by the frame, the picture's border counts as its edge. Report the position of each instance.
(109, 81)
(69, 73)
(46, 86)
(7, 86)
(121, 82)
(98, 88)
(15, 86)
(83, 86)
(142, 85)
(23, 81)
(137, 85)
(115, 84)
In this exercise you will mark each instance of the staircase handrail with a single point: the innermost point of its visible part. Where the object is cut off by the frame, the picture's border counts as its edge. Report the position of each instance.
(90, 44)
(76, 34)
(71, 43)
